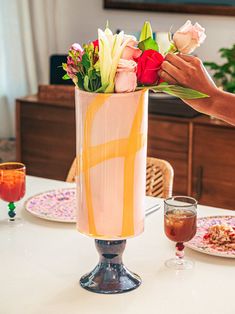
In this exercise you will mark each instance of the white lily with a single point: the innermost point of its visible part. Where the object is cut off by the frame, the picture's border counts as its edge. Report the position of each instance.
(110, 51)
(105, 58)
(109, 35)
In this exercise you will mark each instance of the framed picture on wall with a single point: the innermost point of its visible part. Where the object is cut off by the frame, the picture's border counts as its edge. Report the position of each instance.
(217, 7)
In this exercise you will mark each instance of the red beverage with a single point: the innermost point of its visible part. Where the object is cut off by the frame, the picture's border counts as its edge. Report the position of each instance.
(12, 181)
(180, 225)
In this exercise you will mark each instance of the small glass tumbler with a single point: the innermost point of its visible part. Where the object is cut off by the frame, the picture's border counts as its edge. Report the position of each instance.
(180, 224)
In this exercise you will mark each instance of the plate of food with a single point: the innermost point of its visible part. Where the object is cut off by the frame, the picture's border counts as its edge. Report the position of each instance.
(60, 205)
(215, 236)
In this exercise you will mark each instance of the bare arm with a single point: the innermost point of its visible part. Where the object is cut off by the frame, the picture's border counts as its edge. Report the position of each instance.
(189, 71)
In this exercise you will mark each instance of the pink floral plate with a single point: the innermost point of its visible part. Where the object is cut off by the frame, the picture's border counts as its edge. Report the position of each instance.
(60, 205)
(56, 205)
(198, 244)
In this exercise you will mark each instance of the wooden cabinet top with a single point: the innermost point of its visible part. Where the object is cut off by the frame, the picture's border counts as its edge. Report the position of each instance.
(54, 95)
(201, 119)
(63, 96)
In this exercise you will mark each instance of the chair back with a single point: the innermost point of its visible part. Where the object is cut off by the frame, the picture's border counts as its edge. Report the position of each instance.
(159, 178)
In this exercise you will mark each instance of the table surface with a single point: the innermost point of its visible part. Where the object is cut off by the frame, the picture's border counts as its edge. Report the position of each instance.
(41, 263)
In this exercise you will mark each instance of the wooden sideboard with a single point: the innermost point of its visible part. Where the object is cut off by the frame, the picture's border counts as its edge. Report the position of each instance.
(201, 150)
(202, 153)
(45, 132)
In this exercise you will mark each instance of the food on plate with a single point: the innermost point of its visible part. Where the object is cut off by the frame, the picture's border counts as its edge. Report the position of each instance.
(221, 236)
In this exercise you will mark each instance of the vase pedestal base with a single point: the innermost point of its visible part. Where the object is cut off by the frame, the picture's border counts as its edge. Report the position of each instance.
(110, 276)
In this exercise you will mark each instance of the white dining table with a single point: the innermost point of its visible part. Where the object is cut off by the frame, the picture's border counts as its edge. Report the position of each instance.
(42, 261)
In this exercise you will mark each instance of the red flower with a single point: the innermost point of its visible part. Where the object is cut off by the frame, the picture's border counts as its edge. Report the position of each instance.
(96, 43)
(149, 63)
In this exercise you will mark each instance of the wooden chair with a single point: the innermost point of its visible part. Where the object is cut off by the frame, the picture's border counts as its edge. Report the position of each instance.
(159, 177)
(72, 172)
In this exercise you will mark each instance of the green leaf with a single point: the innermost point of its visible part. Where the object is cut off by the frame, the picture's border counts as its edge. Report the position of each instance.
(182, 92)
(163, 83)
(224, 74)
(96, 84)
(64, 66)
(146, 31)
(80, 80)
(175, 90)
(224, 82)
(86, 83)
(230, 87)
(148, 43)
(86, 62)
(212, 65)
(97, 66)
(94, 79)
(172, 49)
(219, 75)
(226, 68)
(92, 74)
(66, 77)
(102, 88)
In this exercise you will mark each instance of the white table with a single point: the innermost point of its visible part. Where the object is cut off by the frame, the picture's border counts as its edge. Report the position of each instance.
(42, 261)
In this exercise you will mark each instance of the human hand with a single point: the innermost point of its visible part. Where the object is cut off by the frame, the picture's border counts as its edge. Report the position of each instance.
(188, 71)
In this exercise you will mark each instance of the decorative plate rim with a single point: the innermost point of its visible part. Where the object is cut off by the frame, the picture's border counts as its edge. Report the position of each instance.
(207, 250)
(148, 211)
(72, 221)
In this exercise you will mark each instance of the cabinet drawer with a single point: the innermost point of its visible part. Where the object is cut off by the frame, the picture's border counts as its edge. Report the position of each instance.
(214, 166)
(169, 140)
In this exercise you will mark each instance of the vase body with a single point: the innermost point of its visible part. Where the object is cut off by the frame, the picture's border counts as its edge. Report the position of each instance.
(111, 142)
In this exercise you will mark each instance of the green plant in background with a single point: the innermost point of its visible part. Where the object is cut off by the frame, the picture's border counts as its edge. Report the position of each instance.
(224, 74)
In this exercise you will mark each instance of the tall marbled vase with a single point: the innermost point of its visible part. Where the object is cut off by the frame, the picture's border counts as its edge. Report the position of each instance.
(111, 135)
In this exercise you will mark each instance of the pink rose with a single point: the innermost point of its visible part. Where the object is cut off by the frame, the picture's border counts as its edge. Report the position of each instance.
(131, 52)
(125, 79)
(189, 37)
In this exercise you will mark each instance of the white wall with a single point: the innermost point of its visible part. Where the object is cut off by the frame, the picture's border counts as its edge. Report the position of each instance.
(78, 20)
(59, 23)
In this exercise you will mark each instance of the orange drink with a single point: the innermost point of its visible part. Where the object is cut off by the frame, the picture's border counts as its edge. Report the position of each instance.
(12, 184)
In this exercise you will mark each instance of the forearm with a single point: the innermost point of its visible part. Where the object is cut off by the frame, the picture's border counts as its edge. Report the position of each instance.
(188, 71)
(223, 107)
(220, 105)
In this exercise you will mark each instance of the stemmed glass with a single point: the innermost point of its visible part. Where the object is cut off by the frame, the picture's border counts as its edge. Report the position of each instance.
(180, 224)
(12, 185)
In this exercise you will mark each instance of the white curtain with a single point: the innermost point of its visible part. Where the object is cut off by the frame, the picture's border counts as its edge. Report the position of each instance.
(27, 38)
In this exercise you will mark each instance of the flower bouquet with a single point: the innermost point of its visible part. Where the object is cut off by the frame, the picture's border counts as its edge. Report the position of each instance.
(119, 63)
(112, 76)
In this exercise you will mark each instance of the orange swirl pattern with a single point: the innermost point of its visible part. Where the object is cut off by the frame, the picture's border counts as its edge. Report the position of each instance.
(123, 147)
(91, 111)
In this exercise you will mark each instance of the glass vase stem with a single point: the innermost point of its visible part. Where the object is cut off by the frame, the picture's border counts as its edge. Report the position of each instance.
(110, 276)
(11, 211)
